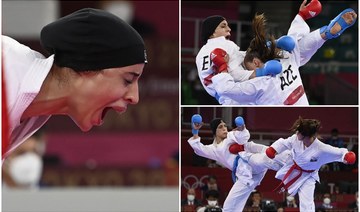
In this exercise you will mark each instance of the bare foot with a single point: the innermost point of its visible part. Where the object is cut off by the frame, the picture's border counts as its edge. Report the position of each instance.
(349, 17)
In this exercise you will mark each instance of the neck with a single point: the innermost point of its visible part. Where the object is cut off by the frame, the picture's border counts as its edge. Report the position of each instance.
(309, 142)
(218, 140)
(52, 97)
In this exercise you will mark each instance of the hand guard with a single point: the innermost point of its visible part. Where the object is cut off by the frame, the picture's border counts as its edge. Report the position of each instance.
(236, 148)
(217, 56)
(270, 152)
(239, 121)
(286, 43)
(195, 119)
(350, 158)
(271, 67)
(311, 10)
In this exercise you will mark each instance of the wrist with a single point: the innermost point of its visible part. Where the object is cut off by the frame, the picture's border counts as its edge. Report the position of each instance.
(259, 72)
(195, 132)
(302, 15)
(222, 68)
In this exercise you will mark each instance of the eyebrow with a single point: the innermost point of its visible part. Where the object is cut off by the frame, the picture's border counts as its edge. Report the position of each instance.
(135, 74)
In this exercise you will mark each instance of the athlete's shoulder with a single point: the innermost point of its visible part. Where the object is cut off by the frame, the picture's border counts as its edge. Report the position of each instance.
(15, 49)
(9, 42)
(221, 41)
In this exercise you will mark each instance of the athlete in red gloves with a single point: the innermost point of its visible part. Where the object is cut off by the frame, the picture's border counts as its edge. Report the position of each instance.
(308, 154)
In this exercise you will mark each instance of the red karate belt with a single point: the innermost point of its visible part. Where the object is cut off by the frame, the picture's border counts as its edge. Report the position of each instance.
(282, 186)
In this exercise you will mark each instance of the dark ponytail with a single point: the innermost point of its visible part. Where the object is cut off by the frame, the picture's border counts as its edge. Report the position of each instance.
(258, 47)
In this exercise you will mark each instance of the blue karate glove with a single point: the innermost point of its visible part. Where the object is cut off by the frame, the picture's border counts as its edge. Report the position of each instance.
(239, 121)
(195, 119)
(271, 67)
(286, 43)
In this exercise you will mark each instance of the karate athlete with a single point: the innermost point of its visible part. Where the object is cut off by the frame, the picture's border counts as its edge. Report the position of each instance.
(233, 151)
(285, 88)
(216, 34)
(95, 63)
(300, 174)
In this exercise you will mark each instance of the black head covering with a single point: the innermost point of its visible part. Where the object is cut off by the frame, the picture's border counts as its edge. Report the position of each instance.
(214, 124)
(91, 39)
(209, 25)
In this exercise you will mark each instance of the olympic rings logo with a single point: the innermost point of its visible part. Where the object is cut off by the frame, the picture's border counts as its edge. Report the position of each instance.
(191, 181)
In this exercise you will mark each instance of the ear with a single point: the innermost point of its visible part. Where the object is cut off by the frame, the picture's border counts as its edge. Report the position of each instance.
(257, 62)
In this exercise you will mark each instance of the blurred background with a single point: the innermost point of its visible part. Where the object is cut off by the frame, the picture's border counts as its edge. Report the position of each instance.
(339, 182)
(131, 157)
(329, 78)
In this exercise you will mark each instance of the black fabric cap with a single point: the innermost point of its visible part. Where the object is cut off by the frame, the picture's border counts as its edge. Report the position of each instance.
(214, 124)
(209, 25)
(91, 39)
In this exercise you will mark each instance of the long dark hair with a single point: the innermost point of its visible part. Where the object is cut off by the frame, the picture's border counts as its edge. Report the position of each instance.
(258, 47)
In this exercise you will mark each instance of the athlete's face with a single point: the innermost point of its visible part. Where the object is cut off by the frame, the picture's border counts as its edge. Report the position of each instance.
(253, 65)
(97, 92)
(305, 139)
(222, 29)
(221, 130)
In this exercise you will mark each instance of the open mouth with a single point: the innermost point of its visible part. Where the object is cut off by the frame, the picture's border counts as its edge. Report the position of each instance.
(228, 37)
(104, 112)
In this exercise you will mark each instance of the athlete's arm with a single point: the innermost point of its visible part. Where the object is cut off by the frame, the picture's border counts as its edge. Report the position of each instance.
(279, 146)
(225, 85)
(334, 154)
(201, 149)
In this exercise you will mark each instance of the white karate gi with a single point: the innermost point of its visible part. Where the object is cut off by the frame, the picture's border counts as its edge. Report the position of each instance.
(204, 64)
(24, 72)
(308, 158)
(285, 88)
(248, 180)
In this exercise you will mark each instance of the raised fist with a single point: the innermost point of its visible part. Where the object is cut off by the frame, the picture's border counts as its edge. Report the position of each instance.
(219, 58)
(311, 10)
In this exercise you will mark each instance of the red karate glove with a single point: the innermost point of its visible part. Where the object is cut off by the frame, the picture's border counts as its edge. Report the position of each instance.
(350, 158)
(270, 152)
(311, 10)
(236, 148)
(217, 56)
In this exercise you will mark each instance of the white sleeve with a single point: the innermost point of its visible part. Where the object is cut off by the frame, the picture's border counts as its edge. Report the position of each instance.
(306, 43)
(254, 147)
(282, 144)
(332, 154)
(236, 70)
(309, 45)
(201, 149)
(298, 28)
(225, 85)
(240, 137)
(240, 74)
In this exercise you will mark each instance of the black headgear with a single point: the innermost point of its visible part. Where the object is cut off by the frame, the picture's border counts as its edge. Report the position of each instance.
(91, 39)
(209, 25)
(214, 124)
